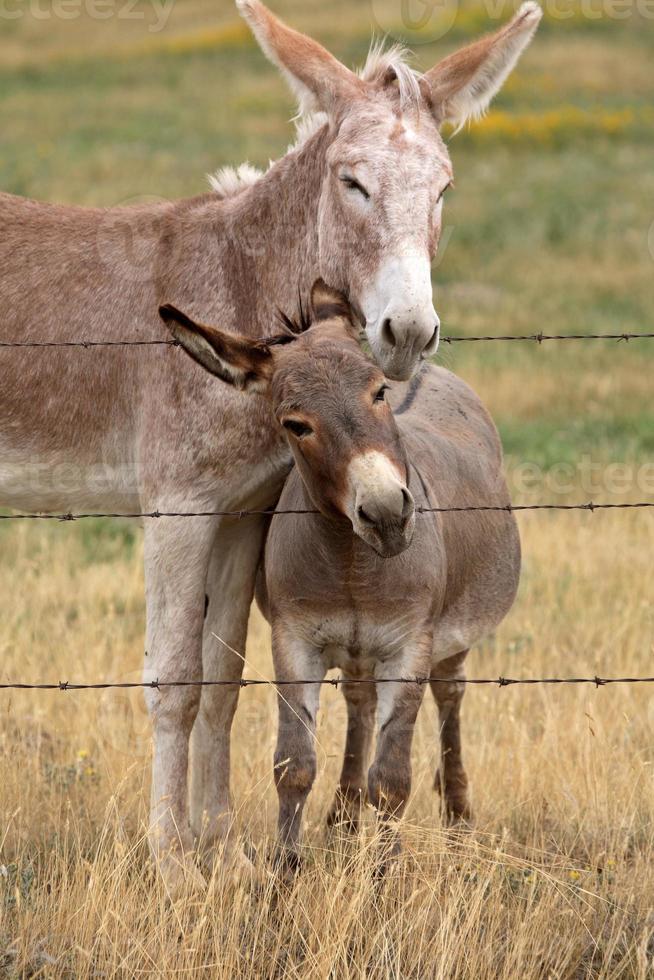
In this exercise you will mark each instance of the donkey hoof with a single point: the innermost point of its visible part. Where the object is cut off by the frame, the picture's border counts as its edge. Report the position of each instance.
(234, 863)
(386, 862)
(456, 805)
(458, 814)
(345, 811)
(181, 876)
(241, 866)
(343, 818)
(287, 863)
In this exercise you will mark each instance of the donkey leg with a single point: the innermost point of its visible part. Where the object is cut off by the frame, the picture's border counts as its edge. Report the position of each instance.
(230, 586)
(176, 559)
(451, 779)
(295, 754)
(389, 778)
(361, 700)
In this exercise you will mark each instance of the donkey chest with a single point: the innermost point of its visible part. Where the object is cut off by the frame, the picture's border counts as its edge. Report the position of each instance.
(356, 640)
(352, 606)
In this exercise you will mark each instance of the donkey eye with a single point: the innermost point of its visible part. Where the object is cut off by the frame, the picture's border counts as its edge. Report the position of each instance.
(381, 394)
(298, 429)
(354, 185)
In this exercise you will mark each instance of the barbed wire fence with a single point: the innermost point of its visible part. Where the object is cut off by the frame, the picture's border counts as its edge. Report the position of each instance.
(240, 514)
(590, 507)
(538, 338)
(335, 682)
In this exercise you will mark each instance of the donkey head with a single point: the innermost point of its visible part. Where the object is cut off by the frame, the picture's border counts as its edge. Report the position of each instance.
(387, 168)
(329, 399)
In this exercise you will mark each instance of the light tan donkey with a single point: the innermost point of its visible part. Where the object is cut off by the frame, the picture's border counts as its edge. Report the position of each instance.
(364, 584)
(358, 200)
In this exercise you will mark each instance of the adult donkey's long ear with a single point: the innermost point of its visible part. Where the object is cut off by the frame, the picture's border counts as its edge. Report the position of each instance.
(243, 363)
(317, 79)
(330, 304)
(462, 85)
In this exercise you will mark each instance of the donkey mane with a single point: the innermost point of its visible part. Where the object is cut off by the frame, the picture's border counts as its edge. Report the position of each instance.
(293, 326)
(384, 63)
(381, 65)
(229, 181)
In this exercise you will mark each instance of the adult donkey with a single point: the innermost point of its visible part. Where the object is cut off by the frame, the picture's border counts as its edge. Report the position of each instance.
(358, 200)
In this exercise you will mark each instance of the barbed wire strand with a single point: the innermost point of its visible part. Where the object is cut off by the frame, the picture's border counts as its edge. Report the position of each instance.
(326, 682)
(590, 507)
(538, 338)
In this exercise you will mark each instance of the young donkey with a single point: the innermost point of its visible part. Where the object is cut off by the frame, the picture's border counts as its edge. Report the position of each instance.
(361, 584)
(357, 200)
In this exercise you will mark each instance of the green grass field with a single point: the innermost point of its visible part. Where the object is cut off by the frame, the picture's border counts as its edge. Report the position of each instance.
(547, 230)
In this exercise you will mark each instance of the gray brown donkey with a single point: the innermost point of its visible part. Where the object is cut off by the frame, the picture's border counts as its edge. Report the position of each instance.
(364, 584)
(357, 200)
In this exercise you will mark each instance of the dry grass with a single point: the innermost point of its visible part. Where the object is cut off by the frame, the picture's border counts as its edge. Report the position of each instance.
(555, 879)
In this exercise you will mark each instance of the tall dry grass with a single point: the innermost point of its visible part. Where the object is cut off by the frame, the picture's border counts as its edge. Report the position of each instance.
(554, 880)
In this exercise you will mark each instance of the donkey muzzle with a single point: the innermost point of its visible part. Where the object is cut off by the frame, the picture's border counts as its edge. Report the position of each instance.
(385, 519)
(401, 323)
(406, 340)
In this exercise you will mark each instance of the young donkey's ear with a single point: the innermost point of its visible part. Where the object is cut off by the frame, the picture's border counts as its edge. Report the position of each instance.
(329, 304)
(462, 85)
(316, 78)
(245, 364)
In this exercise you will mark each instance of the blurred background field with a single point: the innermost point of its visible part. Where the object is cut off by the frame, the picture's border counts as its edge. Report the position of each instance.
(550, 228)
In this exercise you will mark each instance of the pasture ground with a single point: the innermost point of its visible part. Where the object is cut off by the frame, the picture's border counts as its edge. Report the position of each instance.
(556, 879)
(550, 228)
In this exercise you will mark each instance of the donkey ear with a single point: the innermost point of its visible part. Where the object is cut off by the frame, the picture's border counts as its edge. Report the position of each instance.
(462, 85)
(316, 78)
(327, 303)
(243, 363)
(330, 304)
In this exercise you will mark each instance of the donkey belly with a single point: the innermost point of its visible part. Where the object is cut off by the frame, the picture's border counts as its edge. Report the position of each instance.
(68, 435)
(457, 631)
(482, 588)
(116, 473)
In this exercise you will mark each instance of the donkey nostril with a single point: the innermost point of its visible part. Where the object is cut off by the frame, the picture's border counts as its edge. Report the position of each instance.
(433, 341)
(363, 517)
(407, 504)
(387, 332)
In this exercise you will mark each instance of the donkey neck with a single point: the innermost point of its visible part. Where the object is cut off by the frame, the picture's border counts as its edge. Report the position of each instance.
(273, 234)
